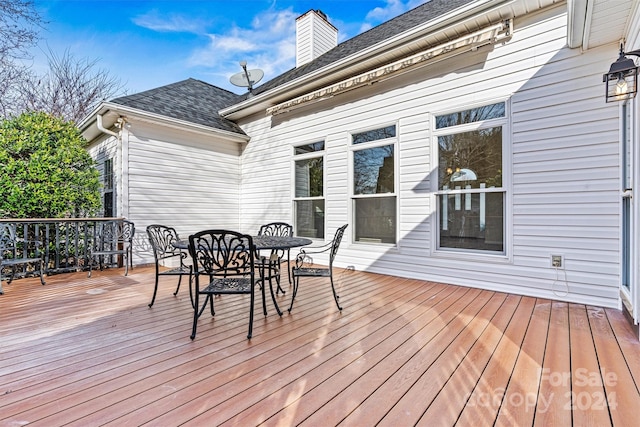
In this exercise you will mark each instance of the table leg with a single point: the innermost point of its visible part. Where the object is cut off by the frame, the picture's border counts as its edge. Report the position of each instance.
(264, 265)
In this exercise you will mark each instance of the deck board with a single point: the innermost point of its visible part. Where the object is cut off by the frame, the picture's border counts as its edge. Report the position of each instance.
(584, 363)
(89, 351)
(395, 352)
(483, 404)
(619, 389)
(428, 361)
(453, 395)
(555, 388)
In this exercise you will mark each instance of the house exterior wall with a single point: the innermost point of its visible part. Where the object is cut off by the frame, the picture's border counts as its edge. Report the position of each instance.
(186, 180)
(107, 148)
(561, 165)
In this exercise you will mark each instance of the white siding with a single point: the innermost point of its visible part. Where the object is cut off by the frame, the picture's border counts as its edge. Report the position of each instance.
(184, 180)
(101, 150)
(563, 193)
(314, 36)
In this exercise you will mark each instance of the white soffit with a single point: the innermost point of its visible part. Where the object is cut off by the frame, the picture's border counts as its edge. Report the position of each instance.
(489, 35)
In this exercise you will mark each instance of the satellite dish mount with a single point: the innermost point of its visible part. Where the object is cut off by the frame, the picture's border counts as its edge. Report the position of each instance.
(246, 78)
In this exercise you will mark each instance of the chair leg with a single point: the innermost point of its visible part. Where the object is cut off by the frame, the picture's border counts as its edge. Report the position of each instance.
(264, 298)
(273, 298)
(195, 319)
(191, 289)
(41, 273)
(296, 281)
(178, 288)
(155, 289)
(126, 263)
(253, 297)
(197, 312)
(335, 296)
(279, 288)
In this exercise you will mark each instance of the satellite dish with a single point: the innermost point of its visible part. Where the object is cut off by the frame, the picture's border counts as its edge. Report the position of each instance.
(246, 78)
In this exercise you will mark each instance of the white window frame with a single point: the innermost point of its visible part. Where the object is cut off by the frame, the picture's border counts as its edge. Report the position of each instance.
(506, 189)
(352, 196)
(108, 177)
(307, 156)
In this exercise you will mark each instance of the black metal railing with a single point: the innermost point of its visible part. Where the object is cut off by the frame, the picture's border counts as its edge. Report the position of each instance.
(65, 244)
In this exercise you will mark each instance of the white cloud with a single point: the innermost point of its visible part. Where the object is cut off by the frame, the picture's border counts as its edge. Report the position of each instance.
(168, 24)
(381, 14)
(232, 43)
(392, 9)
(268, 44)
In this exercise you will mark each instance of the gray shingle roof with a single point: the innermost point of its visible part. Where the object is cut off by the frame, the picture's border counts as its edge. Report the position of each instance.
(417, 16)
(191, 100)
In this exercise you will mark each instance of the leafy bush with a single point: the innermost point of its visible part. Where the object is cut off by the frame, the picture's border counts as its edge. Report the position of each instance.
(45, 171)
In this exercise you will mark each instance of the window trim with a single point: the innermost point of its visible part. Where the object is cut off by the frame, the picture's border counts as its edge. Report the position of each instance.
(307, 156)
(507, 182)
(351, 148)
(108, 176)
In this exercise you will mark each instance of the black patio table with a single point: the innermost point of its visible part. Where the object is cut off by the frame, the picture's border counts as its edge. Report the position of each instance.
(264, 242)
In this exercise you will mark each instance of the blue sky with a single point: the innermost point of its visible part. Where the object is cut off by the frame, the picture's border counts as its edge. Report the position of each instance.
(150, 43)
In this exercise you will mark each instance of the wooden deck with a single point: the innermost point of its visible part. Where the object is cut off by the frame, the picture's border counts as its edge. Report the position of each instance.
(89, 352)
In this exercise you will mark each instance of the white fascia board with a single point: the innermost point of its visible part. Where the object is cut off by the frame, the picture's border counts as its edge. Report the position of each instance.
(301, 84)
(113, 111)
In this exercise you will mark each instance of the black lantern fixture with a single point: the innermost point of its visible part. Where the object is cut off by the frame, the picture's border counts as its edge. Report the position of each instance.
(622, 79)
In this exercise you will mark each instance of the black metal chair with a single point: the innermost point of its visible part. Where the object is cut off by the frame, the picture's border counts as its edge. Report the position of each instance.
(275, 257)
(114, 238)
(162, 239)
(304, 258)
(224, 260)
(11, 255)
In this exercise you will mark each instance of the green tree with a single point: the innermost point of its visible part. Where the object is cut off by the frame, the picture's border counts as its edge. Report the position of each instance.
(45, 171)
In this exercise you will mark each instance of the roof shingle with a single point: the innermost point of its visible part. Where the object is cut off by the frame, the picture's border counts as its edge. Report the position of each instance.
(190, 100)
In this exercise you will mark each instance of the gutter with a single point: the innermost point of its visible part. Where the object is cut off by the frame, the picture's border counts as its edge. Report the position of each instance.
(109, 108)
(103, 129)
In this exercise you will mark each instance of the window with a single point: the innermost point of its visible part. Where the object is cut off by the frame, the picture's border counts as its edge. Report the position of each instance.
(308, 203)
(374, 193)
(471, 193)
(107, 177)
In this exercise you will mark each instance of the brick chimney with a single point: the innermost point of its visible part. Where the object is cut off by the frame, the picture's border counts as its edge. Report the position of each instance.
(314, 36)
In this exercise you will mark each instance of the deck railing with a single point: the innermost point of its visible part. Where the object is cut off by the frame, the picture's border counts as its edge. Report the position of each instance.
(65, 243)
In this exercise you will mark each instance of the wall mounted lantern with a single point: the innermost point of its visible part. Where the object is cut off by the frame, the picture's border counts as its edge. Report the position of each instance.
(622, 79)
